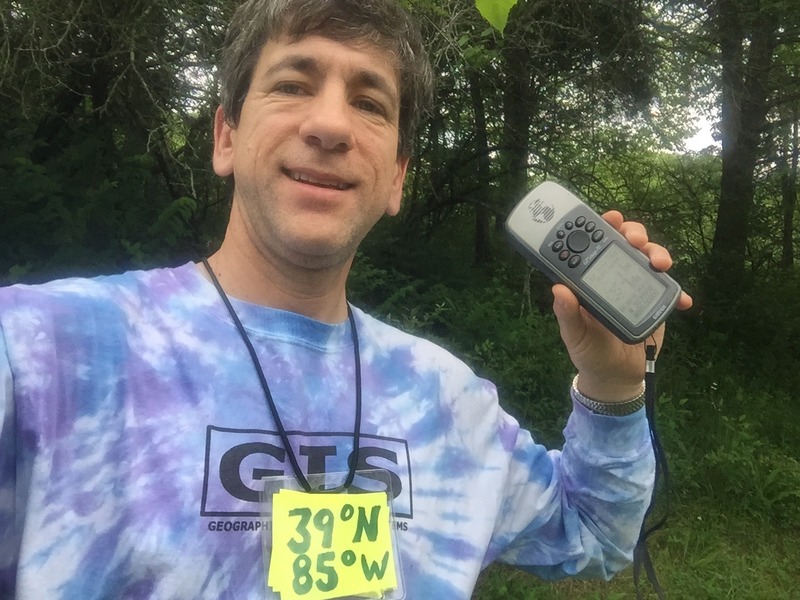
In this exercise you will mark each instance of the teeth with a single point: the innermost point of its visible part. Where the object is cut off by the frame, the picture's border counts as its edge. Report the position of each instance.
(306, 179)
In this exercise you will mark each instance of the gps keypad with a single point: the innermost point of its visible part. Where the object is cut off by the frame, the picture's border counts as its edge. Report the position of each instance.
(575, 237)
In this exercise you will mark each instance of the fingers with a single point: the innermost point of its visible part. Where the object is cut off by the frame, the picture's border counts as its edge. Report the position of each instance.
(633, 231)
(565, 303)
(659, 257)
(684, 302)
(636, 234)
(614, 218)
(568, 314)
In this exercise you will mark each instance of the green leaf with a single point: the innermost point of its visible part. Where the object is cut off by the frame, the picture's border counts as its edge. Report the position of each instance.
(495, 11)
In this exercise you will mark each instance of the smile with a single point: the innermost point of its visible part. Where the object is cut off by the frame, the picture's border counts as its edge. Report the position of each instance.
(326, 182)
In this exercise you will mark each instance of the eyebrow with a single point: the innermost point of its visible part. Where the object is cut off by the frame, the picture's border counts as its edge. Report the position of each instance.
(362, 78)
(295, 62)
(376, 81)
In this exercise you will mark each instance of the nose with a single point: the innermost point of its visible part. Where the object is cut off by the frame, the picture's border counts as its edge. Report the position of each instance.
(328, 125)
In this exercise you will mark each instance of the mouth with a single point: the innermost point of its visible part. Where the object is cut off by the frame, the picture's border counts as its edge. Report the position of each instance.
(328, 182)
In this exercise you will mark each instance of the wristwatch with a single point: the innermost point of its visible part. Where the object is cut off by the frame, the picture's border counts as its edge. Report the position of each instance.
(611, 409)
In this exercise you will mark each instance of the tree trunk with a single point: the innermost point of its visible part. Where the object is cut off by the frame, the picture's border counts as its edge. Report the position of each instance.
(789, 194)
(747, 40)
(516, 124)
(483, 250)
(789, 203)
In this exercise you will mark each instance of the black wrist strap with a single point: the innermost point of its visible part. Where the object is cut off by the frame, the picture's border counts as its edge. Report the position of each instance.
(641, 554)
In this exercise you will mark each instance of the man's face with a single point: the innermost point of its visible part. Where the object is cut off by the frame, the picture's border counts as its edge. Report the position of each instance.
(314, 156)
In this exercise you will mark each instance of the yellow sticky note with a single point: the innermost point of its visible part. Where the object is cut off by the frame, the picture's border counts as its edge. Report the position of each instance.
(331, 545)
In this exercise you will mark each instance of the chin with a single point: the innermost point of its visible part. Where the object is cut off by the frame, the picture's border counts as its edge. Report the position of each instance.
(321, 255)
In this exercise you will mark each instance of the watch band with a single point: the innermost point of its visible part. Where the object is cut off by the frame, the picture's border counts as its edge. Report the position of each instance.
(612, 409)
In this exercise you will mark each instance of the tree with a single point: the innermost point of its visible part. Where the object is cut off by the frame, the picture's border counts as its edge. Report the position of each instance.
(508, 105)
(750, 37)
(747, 37)
(105, 132)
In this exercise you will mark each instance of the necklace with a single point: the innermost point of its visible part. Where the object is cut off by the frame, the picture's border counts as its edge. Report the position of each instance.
(301, 478)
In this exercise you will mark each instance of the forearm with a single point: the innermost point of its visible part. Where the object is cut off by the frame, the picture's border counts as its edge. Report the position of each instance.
(587, 519)
(608, 468)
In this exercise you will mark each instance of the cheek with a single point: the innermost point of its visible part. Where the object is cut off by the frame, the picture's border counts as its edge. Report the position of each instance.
(386, 165)
(253, 149)
(259, 137)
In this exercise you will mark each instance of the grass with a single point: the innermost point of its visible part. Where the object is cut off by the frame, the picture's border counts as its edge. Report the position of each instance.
(701, 555)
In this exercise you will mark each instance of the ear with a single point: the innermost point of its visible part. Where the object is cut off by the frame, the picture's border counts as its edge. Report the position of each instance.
(223, 144)
(396, 198)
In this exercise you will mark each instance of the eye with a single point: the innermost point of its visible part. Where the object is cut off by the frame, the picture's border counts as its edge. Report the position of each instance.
(369, 106)
(289, 88)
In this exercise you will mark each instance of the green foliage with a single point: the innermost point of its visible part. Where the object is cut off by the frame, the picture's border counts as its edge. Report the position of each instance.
(104, 137)
(764, 481)
(496, 11)
(88, 208)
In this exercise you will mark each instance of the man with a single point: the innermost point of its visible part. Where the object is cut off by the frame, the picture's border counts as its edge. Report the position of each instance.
(138, 421)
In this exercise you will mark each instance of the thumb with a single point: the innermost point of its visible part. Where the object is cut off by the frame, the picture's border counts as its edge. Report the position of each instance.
(568, 314)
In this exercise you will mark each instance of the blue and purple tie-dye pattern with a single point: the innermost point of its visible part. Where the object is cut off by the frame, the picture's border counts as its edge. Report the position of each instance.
(133, 433)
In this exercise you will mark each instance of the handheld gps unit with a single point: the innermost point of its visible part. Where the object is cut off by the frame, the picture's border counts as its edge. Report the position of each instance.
(571, 244)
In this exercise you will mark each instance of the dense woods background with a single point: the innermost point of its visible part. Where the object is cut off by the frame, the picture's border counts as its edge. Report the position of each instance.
(105, 145)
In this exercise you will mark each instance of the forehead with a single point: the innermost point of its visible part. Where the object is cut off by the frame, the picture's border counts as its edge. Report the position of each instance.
(323, 55)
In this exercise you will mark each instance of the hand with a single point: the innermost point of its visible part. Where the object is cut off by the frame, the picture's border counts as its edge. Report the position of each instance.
(609, 370)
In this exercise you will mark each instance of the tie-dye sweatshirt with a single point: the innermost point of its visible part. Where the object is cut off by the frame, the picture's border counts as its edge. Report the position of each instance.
(134, 434)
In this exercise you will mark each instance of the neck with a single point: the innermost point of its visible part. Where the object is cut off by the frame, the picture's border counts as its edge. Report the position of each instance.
(315, 293)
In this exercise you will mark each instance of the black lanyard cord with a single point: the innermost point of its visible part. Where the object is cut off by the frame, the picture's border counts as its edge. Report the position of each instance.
(301, 478)
(642, 553)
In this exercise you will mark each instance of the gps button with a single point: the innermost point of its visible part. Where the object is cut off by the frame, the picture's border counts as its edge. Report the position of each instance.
(578, 241)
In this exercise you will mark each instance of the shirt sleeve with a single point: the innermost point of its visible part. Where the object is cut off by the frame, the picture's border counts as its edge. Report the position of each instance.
(578, 511)
(6, 428)
(9, 526)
